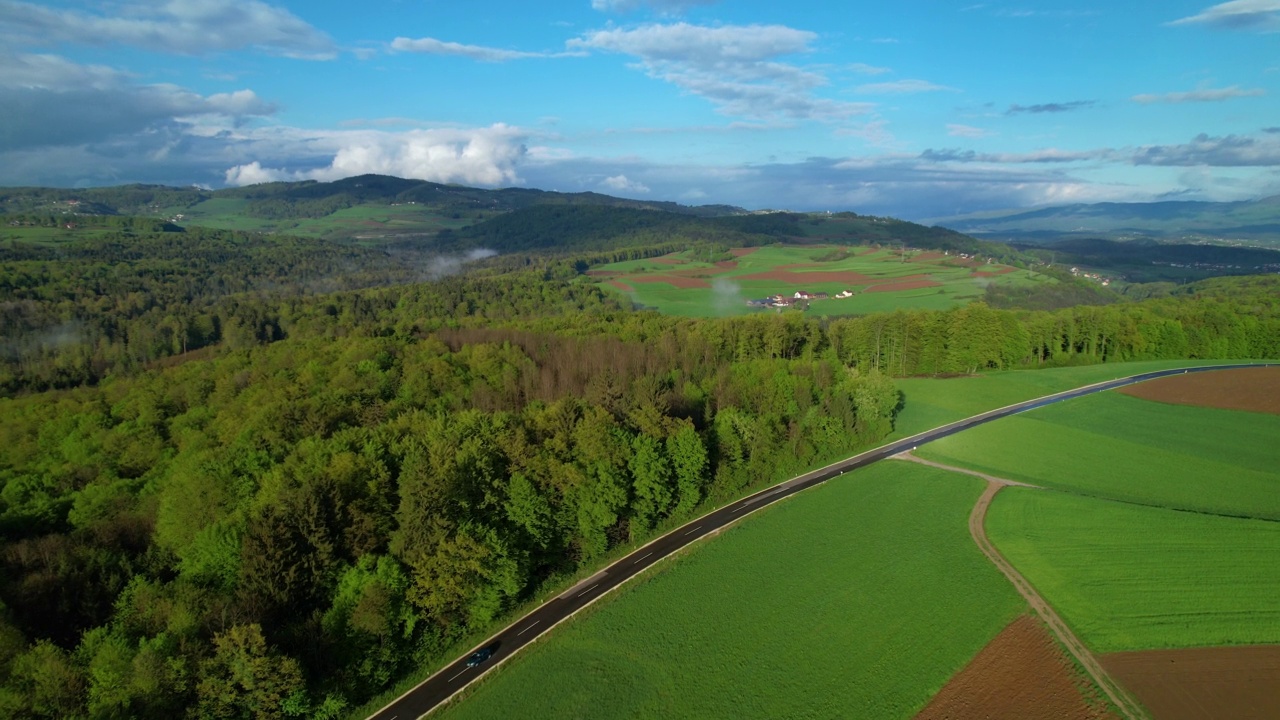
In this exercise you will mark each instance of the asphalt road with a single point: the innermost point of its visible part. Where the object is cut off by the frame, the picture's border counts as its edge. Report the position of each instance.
(444, 683)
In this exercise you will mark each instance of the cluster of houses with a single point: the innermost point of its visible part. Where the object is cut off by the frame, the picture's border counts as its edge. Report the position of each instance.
(783, 301)
(1096, 277)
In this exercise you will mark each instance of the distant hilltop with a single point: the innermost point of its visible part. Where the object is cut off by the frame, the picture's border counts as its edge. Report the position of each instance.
(1250, 221)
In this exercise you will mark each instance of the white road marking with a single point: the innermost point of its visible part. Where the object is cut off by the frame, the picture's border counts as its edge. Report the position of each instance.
(694, 530)
(735, 512)
(593, 587)
(639, 559)
(455, 677)
(535, 622)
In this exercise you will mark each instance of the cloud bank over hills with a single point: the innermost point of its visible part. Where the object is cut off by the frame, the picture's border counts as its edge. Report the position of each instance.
(665, 99)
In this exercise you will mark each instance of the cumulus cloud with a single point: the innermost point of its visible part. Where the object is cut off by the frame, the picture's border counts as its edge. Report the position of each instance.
(736, 67)
(1201, 95)
(183, 27)
(476, 156)
(663, 6)
(52, 101)
(1227, 151)
(620, 183)
(1257, 15)
(967, 131)
(902, 87)
(1050, 107)
(431, 46)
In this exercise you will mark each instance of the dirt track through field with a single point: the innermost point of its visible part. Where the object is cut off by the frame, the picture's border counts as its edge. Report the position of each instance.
(977, 528)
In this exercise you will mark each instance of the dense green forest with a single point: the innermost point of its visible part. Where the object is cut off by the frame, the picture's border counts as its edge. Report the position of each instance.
(257, 476)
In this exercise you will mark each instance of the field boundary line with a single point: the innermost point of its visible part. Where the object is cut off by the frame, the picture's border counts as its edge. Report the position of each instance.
(1120, 697)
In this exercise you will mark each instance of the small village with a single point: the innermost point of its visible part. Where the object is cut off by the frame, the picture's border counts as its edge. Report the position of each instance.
(800, 296)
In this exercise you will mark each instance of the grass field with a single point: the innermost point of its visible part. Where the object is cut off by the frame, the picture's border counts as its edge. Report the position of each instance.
(931, 402)
(1122, 448)
(859, 598)
(879, 279)
(1130, 578)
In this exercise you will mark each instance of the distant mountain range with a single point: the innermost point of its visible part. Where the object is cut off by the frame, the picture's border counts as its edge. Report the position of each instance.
(1247, 222)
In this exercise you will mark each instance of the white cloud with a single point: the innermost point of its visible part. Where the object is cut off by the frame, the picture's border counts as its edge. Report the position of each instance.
(663, 6)
(865, 69)
(183, 27)
(1259, 15)
(902, 87)
(1202, 95)
(620, 183)
(967, 131)
(253, 174)
(471, 156)
(736, 67)
(875, 133)
(431, 46)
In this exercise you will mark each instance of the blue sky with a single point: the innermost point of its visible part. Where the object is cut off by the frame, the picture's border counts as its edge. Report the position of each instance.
(919, 109)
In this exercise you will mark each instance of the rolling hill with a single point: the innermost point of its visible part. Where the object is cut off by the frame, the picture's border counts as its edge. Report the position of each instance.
(1246, 222)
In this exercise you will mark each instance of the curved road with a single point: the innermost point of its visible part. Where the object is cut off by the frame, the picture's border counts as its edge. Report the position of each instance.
(442, 685)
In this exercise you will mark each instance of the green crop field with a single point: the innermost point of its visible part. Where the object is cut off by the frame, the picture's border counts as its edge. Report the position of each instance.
(859, 598)
(1128, 577)
(879, 280)
(1122, 448)
(931, 402)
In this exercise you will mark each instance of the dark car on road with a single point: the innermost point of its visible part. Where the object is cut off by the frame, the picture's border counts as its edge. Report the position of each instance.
(479, 656)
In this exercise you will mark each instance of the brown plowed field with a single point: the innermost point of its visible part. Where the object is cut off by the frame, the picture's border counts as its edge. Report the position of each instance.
(927, 256)
(993, 273)
(601, 273)
(742, 252)
(1240, 683)
(727, 264)
(668, 261)
(683, 283)
(622, 286)
(1020, 675)
(1253, 389)
(899, 286)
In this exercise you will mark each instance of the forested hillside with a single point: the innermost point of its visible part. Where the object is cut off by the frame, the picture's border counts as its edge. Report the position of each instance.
(257, 476)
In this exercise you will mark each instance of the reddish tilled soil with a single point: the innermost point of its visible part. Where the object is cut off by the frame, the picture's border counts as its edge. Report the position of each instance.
(899, 286)
(1252, 389)
(668, 261)
(1020, 675)
(621, 286)
(1240, 683)
(927, 256)
(601, 273)
(727, 264)
(742, 252)
(683, 283)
